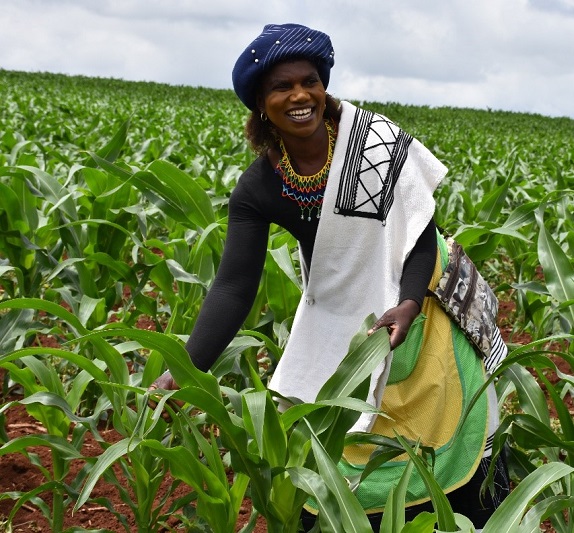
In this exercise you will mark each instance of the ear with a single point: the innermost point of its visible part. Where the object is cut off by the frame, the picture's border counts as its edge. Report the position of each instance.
(260, 103)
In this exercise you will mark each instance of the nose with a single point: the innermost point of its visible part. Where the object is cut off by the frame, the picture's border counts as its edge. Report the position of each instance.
(299, 94)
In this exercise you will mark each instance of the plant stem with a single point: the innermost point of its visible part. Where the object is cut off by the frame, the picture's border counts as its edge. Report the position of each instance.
(58, 496)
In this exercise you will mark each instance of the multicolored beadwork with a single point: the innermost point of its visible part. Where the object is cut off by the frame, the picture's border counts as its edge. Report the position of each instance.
(307, 191)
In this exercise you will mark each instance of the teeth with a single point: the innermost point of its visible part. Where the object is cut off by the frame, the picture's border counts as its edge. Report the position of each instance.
(300, 113)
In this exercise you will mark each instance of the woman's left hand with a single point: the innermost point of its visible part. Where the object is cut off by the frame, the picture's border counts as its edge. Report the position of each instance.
(397, 320)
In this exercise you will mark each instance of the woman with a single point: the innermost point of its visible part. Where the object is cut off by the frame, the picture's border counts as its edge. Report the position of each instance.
(352, 188)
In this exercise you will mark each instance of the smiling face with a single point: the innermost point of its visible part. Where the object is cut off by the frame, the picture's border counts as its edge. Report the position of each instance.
(293, 98)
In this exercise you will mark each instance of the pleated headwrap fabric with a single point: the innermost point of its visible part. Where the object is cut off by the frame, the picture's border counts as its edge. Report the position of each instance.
(275, 44)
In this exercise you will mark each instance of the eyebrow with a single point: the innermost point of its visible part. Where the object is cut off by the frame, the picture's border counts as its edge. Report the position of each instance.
(278, 78)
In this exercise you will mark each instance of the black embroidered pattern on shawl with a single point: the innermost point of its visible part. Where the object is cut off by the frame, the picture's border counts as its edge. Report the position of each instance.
(366, 188)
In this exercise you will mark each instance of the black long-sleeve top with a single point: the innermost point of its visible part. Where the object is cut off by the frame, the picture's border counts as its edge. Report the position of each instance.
(255, 203)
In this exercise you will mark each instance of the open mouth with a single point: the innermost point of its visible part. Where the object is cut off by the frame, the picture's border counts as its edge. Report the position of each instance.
(301, 114)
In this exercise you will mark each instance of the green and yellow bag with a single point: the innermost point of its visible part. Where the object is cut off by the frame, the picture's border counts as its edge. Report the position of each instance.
(433, 376)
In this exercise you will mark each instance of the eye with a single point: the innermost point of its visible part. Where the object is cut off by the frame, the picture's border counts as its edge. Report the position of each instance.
(281, 86)
(312, 80)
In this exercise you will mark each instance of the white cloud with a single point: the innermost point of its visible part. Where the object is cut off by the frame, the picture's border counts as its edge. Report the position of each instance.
(565, 7)
(513, 55)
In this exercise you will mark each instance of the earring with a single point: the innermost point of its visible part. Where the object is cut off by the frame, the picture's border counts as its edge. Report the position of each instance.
(263, 116)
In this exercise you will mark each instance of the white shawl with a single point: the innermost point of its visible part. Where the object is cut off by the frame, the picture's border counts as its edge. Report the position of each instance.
(378, 200)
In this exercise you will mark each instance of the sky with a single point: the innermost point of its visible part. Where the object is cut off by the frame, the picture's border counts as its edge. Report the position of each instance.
(512, 55)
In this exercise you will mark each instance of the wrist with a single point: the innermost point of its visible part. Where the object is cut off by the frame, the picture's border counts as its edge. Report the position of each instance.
(411, 307)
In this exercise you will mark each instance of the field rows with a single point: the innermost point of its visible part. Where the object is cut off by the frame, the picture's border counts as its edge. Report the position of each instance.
(113, 212)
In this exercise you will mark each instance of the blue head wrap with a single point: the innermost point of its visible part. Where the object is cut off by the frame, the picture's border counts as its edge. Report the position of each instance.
(277, 43)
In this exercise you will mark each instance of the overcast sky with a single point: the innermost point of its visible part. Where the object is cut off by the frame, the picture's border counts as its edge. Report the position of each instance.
(515, 55)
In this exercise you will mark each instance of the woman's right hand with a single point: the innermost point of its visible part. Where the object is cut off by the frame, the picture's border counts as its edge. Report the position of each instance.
(165, 382)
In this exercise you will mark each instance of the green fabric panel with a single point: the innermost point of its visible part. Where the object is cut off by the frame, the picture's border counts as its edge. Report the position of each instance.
(405, 357)
(455, 460)
(443, 249)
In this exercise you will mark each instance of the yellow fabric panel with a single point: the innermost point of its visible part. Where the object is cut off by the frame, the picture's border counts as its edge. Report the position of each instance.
(428, 404)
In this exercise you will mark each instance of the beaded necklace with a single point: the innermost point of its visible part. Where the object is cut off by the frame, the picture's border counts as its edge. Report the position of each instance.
(307, 191)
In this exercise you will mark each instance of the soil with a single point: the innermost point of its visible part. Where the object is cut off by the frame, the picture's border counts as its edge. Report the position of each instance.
(17, 473)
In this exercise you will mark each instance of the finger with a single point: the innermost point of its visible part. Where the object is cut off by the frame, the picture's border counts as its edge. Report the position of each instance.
(170, 406)
(174, 405)
(397, 337)
(151, 402)
(378, 325)
(393, 331)
(394, 339)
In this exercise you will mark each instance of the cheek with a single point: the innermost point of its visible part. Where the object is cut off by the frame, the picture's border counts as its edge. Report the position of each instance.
(322, 98)
(273, 102)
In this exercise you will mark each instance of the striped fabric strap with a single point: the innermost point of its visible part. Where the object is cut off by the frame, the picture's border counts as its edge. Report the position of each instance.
(497, 354)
